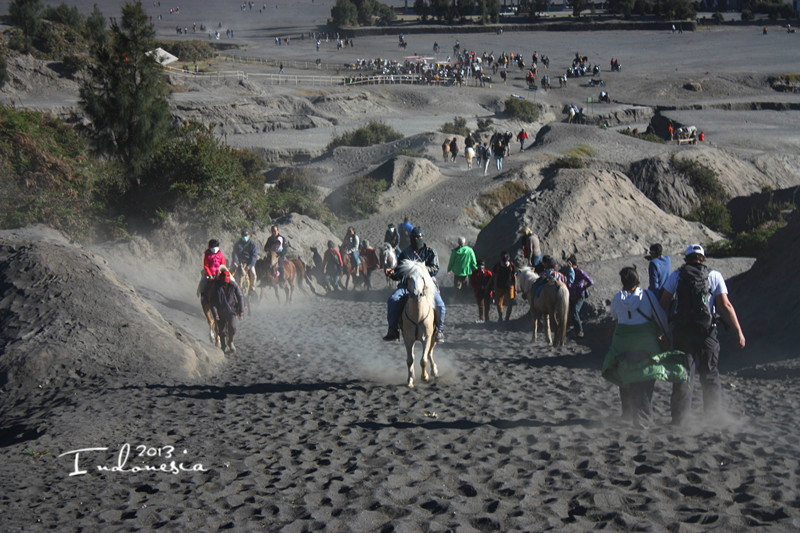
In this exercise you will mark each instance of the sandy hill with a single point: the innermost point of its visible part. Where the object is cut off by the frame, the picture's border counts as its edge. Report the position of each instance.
(67, 316)
(596, 214)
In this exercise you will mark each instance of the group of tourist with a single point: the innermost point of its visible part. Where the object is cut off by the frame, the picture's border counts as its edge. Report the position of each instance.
(669, 332)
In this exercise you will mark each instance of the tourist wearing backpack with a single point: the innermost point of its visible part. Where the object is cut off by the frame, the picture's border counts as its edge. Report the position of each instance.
(700, 292)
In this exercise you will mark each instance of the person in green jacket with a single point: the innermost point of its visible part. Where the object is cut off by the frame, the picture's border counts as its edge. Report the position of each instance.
(462, 263)
(635, 359)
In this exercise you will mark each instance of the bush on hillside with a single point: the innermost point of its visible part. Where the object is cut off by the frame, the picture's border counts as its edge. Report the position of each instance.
(712, 214)
(457, 127)
(745, 244)
(188, 51)
(521, 109)
(494, 201)
(567, 161)
(373, 133)
(361, 197)
(47, 175)
(702, 178)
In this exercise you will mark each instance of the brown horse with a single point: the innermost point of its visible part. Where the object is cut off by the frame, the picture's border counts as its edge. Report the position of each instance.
(552, 299)
(446, 150)
(205, 302)
(241, 277)
(349, 271)
(293, 269)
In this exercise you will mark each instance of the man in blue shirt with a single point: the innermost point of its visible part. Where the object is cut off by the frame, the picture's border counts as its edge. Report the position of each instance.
(658, 270)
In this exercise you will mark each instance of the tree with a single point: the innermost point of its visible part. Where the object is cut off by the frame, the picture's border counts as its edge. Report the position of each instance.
(344, 13)
(421, 9)
(578, 6)
(26, 15)
(494, 10)
(125, 94)
(465, 8)
(95, 27)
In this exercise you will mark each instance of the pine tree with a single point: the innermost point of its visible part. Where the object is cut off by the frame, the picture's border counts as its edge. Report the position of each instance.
(125, 95)
(26, 15)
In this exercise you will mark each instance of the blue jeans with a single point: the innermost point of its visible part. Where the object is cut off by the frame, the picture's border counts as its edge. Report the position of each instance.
(354, 255)
(575, 311)
(499, 162)
(398, 299)
(537, 259)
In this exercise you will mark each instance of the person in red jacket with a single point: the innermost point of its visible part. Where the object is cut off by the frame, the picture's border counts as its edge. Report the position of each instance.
(481, 282)
(213, 258)
(521, 136)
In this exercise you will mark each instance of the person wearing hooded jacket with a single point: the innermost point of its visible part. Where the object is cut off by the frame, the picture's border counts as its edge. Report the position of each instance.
(213, 258)
(416, 251)
(245, 254)
(227, 305)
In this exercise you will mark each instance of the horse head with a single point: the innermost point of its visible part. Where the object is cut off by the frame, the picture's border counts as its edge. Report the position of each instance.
(526, 278)
(418, 281)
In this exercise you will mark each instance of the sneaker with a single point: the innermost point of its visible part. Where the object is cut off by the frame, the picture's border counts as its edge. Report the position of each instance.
(440, 336)
(393, 335)
(580, 334)
(479, 321)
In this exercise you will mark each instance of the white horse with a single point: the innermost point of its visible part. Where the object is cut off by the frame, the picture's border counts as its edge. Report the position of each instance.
(416, 322)
(387, 258)
(552, 300)
(469, 153)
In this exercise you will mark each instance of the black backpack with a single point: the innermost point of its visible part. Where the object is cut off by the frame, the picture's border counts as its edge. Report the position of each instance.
(693, 293)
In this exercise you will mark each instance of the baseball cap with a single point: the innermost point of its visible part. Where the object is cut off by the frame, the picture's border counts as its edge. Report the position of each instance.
(695, 249)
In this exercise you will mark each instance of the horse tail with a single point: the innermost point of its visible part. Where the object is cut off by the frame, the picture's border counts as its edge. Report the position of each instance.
(562, 313)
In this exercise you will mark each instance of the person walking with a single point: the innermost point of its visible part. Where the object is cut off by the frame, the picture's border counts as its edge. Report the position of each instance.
(461, 264)
(578, 283)
(700, 293)
(521, 137)
(531, 248)
(658, 270)
(505, 285)
(227, 305)
(481, 282)
(635, 359)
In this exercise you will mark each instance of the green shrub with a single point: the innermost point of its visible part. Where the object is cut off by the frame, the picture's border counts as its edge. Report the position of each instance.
(373, 133)
(361, 197)
(484, 124)
(521, 109)
(457, 127)
(747, 15)
(72, 64)
(651, 137)
(3, 70)
(567, 161)
(494, 201)
(63, 14)
(702, 179)
(712, 214)
(718, 18)
(745, 244)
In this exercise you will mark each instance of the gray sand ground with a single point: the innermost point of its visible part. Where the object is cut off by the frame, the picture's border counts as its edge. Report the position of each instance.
(309, 426)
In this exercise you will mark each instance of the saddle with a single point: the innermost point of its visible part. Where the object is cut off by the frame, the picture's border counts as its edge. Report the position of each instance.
(540, 283)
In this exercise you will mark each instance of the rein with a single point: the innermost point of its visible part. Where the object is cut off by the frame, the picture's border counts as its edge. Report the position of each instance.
(416, 324)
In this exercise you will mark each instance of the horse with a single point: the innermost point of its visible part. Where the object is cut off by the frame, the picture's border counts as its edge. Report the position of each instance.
(446, 150)
(387, 258)
(205, 303)
(266, 275)
(244, 285)
(552, 300)
(349, 270)
(369, 263)
(416, 321)
(469, 154)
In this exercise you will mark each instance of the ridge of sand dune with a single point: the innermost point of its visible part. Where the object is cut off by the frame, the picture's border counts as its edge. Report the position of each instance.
(596, 214)
(67, 315)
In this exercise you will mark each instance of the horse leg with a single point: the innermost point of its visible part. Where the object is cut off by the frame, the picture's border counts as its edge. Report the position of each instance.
(547, 328)
(535, 321)
(410, 360)
(429, 355)
(290, 291)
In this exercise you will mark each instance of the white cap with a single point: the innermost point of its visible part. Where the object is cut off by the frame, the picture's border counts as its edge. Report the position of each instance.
(695, 249)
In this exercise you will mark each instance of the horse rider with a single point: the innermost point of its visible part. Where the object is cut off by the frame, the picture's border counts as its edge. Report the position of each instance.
(351, 246)
(245, 254)
(213, 258)
(416, 251)
(405, 233)
(367, 252)
(277, 245)
(392, 238)
(227, 305)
